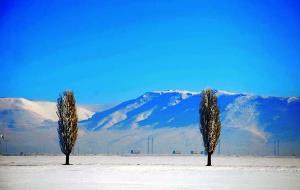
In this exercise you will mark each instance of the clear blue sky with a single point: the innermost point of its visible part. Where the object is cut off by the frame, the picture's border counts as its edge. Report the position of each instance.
(108, 51)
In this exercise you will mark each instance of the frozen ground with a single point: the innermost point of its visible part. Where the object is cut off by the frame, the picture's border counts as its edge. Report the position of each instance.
(148, 172)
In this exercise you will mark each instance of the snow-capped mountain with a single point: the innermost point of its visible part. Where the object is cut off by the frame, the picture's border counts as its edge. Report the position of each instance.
(23, 113)
(250, 124)
(256, 115)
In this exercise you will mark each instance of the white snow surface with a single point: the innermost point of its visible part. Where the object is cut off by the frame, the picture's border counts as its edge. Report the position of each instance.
(149, 172)
(118, 116)
(293, 99)
(144, 115)
(176, 91)
(223, 92)
(45, 109)
(185, 93)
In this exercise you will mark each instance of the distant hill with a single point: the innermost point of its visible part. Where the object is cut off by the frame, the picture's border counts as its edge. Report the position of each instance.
(23, 113)
(250, 124)
(263, 117)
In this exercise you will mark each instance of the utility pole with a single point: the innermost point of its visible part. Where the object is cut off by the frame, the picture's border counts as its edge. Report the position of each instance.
(148, 145)
(152, 145)
(275, 152)
(278, 147)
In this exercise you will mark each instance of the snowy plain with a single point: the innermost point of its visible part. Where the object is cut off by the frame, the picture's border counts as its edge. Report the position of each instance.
(149, 172)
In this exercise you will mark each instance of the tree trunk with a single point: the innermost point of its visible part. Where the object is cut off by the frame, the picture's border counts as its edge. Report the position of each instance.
(67, 159)
(208, 159)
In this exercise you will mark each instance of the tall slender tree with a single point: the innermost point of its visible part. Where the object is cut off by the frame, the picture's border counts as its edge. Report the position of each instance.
(210, 125)
(67, 123)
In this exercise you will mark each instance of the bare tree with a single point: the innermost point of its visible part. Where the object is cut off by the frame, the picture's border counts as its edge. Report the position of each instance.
(67, 123)
(210, 125)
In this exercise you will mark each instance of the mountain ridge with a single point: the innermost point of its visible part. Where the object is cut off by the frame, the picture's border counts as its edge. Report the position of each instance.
(249, 123)
(46, 109)
(28, 113)
(177, 108)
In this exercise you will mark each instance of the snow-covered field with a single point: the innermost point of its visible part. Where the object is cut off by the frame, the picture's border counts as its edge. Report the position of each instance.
(149, 172)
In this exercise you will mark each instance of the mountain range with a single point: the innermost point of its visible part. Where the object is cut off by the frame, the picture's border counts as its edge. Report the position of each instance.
(172, 117)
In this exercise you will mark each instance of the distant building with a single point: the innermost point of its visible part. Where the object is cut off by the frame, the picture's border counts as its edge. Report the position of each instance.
(135, 152)
(194, 152)
(176, 152)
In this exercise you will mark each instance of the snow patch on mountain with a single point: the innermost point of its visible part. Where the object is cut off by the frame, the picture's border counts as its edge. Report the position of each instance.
(140, 117)
(46, 110)
(117, 116)
(176, 96)
(293, 99)
(223, 92)
(113, 119)
(40, 108)
(186, 92)
(242, 114)
(144, 115)
(174, 100)
(171, 119)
